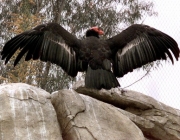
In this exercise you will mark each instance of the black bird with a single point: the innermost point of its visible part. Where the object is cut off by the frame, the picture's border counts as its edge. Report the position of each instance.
(103, 60)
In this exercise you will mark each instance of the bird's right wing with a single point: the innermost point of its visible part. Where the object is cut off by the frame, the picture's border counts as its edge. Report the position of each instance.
(49, 42)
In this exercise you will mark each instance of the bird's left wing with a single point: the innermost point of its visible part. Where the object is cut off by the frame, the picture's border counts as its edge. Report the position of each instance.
(139, 45)
(49, 42)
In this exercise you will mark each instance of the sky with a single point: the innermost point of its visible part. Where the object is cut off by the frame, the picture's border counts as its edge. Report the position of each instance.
(163, 83)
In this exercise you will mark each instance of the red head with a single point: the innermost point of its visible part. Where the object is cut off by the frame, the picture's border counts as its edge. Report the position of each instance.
(98, 30)
(94, 31)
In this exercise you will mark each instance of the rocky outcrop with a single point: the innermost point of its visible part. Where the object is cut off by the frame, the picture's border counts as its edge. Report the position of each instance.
(27, 112)
(156, 120)
(84, 118)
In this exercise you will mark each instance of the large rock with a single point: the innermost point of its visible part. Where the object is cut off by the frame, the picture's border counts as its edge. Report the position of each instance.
(156, 120)
(84, 118)
(26, 113)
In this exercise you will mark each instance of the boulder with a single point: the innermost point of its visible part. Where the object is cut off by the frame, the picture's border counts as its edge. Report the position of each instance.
(84, 118)
(26, 113)
(156, 120)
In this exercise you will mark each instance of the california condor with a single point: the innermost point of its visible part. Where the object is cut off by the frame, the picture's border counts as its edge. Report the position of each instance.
(103, 60)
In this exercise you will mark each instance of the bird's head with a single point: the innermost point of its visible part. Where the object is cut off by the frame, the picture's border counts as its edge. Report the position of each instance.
(94, 31)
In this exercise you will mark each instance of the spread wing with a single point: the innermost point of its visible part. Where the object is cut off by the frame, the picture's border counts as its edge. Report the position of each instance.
(139, 45)
(49, 42)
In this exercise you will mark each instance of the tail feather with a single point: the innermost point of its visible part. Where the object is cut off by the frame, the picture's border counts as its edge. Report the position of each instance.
(100, 78)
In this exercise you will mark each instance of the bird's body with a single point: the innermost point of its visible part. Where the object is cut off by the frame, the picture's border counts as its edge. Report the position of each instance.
(94, 51)
(103, 60)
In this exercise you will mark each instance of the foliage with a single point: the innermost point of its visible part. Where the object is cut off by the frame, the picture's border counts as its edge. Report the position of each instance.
(76, 16)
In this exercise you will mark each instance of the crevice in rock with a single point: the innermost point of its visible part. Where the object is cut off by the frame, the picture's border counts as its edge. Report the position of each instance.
(83, 127)
(71, 120)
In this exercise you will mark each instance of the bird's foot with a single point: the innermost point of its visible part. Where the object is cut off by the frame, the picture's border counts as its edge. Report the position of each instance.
(122, 90)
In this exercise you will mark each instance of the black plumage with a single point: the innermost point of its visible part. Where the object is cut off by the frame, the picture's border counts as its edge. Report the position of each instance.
(103, 60)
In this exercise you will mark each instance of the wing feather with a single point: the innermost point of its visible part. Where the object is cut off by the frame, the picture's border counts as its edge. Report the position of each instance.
(139, 45)
(47, 42)
(32, 53)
